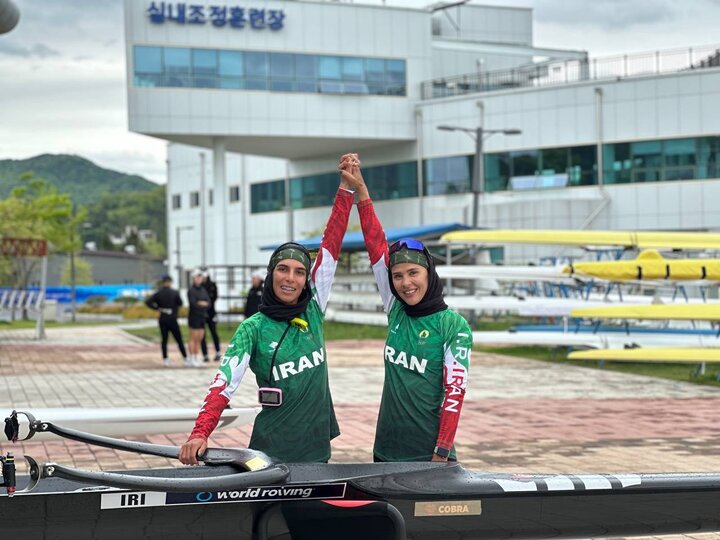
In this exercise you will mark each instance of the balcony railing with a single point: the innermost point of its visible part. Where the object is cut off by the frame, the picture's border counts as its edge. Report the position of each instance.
(556, 72)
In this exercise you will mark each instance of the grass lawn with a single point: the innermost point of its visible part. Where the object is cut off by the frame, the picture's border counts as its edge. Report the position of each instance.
(333, 330)
(558, 355)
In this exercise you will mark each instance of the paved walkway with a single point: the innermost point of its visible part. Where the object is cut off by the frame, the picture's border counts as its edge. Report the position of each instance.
(519, 415)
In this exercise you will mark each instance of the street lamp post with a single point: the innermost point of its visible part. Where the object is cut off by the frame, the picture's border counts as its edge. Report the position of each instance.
(177, 250)
(479, 134)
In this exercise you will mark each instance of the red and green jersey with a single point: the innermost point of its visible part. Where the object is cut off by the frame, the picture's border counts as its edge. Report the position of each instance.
(426, 367)
(426, 364)
(301, 428)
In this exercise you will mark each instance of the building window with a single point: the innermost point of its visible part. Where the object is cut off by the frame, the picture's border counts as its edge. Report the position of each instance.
(314, 190)
(234, 194)
(668, 160)
(210, 197)
(176, 202)
(194, 199)
(273, 71)
(448, 175)
(267, 197)
(497, 171)
(394, 181)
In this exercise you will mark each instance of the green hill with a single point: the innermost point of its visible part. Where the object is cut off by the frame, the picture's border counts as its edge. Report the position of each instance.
(81, 178)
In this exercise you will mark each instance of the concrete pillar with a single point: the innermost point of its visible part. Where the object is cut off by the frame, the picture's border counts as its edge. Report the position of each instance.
(220, 202)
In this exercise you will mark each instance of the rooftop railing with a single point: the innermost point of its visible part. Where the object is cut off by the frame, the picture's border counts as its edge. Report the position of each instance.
(557, 72)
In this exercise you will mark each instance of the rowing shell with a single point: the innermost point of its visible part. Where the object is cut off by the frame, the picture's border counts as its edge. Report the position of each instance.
(245, 494)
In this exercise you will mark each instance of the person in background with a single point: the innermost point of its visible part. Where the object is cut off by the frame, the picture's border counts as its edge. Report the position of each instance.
(427, 351)
(252, 302)
(199, 302)
(212, 290)
(167, 301)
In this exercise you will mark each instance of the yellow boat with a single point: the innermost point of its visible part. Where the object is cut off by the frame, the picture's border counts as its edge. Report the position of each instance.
(626, 239)
(649, 265)
(681, 312)
(675, 355)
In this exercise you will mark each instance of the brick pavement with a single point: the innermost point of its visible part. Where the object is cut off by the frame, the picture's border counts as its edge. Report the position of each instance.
(519, 416)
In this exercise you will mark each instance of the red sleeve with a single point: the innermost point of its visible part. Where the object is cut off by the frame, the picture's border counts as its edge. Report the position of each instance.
(323, 270)
(373, 232)
(450, 414)
(211, 410)
(377, 248)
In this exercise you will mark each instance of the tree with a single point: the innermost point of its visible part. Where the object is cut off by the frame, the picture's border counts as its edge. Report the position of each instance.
(115, 211)
(35, 209)
(83, 272)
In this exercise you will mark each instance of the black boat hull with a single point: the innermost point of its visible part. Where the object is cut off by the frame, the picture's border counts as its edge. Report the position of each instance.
(414, 501)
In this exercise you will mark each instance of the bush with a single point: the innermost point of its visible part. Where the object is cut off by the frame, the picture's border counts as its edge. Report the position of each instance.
(126, 300)
(96, 300)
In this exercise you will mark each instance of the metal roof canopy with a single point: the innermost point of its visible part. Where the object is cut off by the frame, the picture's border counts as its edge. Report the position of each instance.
(353, 241)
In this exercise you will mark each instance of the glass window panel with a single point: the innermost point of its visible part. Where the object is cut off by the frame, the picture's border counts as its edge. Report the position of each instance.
(394, 181)
(352, 69)
(378, 89)
(524, 162)
(554, 160)
(282, 66)
(679, 152)
(177, 67)
(177, 60)
(230, 63)
(646, 175)
(583, 166)
(256, 65)
(708, 157)
(281, 86)
(205, 82)
(306, 86)
(395, 71)
(267, 197)
(329, 67)
(234, 83)
(314, 190)
(148, 59)
(679, 173)
(256, 84)
(646, 154)
(305, 66)
(355, 88)
(375, 70)
(330, 87)
(497, 171)
(204, 61)
(617, 163)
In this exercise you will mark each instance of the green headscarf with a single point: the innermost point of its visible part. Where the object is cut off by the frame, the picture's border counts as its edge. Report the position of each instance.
(406, 255)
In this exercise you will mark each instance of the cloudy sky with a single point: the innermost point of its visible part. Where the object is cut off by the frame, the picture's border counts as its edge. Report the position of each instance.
(62, 70)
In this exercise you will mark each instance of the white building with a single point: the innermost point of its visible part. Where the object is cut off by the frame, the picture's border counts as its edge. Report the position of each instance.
(258, 100)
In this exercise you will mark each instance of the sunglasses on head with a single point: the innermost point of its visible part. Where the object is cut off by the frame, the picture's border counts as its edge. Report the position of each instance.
(409, 243)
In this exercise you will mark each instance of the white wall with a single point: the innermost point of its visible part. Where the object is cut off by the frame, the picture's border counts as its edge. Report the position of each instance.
(493, 24)
(663, 106)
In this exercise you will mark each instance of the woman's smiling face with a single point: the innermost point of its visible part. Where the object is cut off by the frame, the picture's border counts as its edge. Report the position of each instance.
(410, 281)
(289, 278)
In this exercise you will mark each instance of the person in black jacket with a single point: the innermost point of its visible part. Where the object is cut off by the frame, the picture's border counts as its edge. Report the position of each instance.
(212, 290)
(199, 302)
(252, 303)
(167, 301)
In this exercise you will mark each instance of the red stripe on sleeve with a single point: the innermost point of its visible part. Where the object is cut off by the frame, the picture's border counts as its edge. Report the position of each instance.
(373, 232)
(450, 412)
(335, 228)
(209, 416)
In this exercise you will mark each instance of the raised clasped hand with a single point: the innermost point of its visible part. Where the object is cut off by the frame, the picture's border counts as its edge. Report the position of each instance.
(349, 168)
